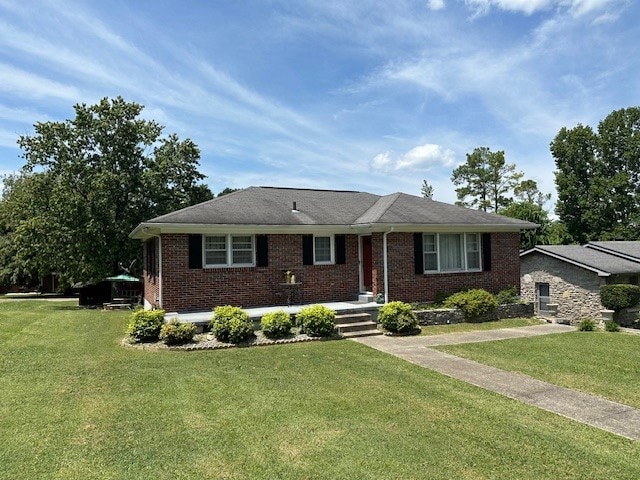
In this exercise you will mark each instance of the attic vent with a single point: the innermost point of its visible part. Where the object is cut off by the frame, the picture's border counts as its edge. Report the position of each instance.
(295, 208)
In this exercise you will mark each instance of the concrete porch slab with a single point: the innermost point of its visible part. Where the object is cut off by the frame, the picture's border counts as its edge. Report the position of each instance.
(203, 318)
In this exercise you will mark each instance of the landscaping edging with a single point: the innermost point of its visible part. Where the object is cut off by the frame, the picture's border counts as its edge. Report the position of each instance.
(210, 343)
(446, 316)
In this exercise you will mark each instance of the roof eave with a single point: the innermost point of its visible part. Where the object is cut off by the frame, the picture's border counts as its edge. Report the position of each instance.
(600, 273)
(146, 230)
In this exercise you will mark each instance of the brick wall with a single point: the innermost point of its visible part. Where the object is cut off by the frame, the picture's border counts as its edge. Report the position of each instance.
(205, 288)
(151, 276)
(405, 285)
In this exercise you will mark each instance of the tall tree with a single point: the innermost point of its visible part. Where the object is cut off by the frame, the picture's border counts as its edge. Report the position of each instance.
(598, 178)
(426, 190)
(527, 191)
(87, 182)
(530, 212)
(485, 179)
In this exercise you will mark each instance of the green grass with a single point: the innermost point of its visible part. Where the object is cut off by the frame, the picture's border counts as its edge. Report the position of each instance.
(74, 404)
(474, 327)
(602, 363)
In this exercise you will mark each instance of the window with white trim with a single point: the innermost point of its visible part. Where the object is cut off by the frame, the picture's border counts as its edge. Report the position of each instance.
(323, 250)
(451, 252)
(229, 251)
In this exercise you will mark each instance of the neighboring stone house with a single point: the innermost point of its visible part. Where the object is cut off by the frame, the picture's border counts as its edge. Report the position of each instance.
(570, 276)
(265, 246)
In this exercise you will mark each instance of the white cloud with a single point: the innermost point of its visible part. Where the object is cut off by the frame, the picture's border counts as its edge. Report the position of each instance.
(422, 157)
(528, 7)
(435, 4)
(24, 84)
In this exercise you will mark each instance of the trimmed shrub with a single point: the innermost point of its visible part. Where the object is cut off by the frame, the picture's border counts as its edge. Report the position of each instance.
(276, 324)
(145, 325)
(619, 296)
(507, 296)
(317, 321)
(473, 303)
(231, 324)
(587, 325)
(176, 333)
(611, 326)
(398, 317)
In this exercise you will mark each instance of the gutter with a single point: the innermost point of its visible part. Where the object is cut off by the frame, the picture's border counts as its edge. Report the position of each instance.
(386, 265)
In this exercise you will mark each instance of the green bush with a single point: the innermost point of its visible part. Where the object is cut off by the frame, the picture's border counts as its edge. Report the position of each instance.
(473, 303)
(145, 325)
(587, 325)
(231, 324)
(611, 326)
(398, 317)
(619, 296)
(276, 324)
(317, 321)
(506, 296)
(176, 333)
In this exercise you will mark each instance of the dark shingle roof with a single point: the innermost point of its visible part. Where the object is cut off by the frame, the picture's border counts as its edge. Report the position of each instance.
(626, 249)
(589, 258)
(273, 206)
(400, 208)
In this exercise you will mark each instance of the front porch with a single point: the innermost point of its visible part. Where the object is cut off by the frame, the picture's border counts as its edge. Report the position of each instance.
(344, 311)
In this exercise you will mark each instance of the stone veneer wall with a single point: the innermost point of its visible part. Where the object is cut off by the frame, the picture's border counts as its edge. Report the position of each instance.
(443, 316)
(575, 290)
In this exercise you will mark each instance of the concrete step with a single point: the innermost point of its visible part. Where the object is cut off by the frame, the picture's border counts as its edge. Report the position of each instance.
(356, 327)
(365, 297)
(352, 318)
(361, 333)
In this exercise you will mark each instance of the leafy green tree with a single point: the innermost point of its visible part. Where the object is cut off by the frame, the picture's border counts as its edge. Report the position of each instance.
(87, 182)
(598, 178)
(426, 190)
(527, 191)
(530, 212)
(485, 180)
(226, 191)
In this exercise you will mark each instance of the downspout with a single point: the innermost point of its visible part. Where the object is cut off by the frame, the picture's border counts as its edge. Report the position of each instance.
(386, 265)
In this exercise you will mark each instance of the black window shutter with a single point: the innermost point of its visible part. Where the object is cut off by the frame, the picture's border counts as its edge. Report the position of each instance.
(195, 251)
(418, 253)
(307, 249)
(341, 250)
(262, 251)
(486, 251)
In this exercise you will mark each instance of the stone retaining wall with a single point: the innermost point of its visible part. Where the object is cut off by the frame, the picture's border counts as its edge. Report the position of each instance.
(444, 316)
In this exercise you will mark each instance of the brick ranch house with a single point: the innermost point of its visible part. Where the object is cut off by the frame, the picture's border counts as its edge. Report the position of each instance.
(569, 277)
(237, 249)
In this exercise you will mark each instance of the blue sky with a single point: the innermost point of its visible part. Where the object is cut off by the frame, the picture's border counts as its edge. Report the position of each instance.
(364, 95)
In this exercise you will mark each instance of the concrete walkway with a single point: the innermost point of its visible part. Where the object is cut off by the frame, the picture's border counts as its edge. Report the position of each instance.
(590, 409)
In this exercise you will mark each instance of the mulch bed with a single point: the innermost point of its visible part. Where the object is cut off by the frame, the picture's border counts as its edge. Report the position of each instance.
(206, 341)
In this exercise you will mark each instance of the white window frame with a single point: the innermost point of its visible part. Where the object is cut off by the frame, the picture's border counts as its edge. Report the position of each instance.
(464, 253)
(332, 254)
(228, 251)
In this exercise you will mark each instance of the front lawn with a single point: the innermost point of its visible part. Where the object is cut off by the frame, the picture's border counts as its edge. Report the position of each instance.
(75, 404)
(474, 327)
(602, 363)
